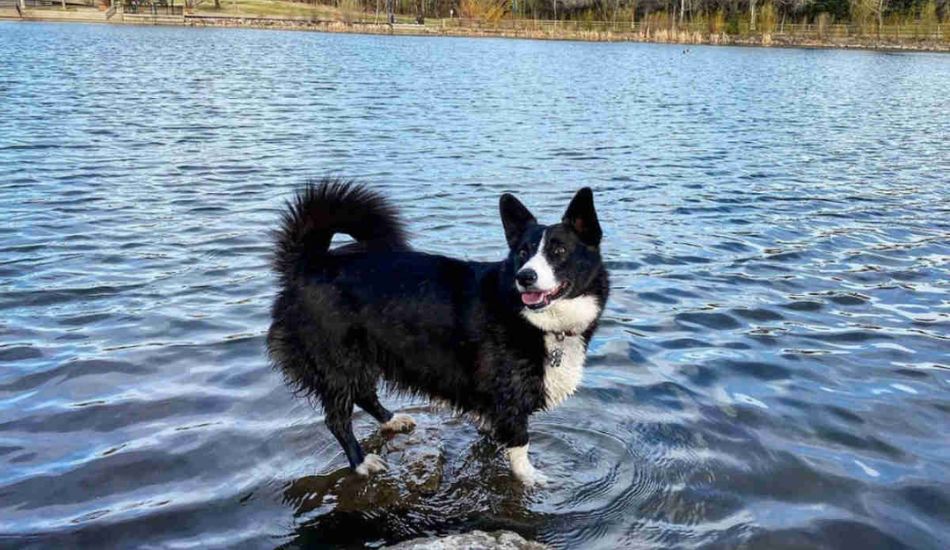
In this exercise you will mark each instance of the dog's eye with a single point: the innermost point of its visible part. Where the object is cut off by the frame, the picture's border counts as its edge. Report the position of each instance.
(559, 251)
(523, 253)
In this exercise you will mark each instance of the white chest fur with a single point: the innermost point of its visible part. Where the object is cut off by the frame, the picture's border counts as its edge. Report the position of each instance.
(563, 368)
(567, 315)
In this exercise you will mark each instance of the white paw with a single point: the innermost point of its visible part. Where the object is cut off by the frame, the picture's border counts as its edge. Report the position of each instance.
(399, 423)
(532, 478)
(371, 464)
(523, 470)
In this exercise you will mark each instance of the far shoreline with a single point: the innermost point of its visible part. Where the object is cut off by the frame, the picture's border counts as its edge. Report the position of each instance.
(657, 36)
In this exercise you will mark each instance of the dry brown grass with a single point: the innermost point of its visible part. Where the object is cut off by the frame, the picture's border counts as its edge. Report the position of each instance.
(486, 10)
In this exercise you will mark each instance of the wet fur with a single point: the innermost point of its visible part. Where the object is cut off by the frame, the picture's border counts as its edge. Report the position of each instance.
(452, 330)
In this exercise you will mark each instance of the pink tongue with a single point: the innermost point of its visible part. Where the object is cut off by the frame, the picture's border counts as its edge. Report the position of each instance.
(532, 298)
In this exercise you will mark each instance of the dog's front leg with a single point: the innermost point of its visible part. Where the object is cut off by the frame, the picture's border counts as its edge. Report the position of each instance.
(513, 432)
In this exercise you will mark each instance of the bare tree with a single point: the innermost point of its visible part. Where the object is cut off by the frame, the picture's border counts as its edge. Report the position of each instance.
(881, 4)
(864, 8)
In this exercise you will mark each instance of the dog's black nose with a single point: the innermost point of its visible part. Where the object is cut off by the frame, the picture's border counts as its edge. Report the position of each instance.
(526, 277)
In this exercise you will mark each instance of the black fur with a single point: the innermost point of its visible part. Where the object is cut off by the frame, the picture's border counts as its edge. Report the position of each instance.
(425, 324)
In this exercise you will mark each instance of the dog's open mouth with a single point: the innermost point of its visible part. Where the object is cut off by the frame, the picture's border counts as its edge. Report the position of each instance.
(538, 300)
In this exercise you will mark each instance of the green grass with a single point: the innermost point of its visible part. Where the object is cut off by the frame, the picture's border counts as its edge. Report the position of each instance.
(273, 8)
(283, 8)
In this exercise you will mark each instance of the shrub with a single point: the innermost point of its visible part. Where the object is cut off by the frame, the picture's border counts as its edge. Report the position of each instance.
(487, 10)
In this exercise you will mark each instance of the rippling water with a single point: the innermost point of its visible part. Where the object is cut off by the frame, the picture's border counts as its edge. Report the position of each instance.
(773, 366)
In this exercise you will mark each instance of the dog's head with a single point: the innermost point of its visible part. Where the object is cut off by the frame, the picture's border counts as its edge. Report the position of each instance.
(553, 265)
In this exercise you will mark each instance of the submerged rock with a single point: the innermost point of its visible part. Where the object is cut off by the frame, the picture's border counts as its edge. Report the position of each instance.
(475, 540)
(441, 474)
(415, 470)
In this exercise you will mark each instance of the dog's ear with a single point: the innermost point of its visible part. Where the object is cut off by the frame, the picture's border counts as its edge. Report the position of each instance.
(514, 217)
(582, 217)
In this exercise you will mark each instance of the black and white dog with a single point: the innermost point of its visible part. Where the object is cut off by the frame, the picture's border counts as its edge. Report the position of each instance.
(498, 340)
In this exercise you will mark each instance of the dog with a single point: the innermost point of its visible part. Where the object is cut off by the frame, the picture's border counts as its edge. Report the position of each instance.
(497, 340)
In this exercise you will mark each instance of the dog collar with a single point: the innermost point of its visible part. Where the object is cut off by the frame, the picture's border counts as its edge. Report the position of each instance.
(559, 336)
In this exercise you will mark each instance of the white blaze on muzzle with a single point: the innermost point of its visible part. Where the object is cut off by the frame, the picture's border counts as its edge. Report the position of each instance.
(546, 281)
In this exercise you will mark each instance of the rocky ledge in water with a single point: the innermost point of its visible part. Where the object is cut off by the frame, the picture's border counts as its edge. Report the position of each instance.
(442, 474)
(476, 540)
(415, 462)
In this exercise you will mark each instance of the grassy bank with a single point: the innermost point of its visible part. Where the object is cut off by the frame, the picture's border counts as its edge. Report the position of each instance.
(285, 9)
(924, 34)
(904, 24)
(921, 35)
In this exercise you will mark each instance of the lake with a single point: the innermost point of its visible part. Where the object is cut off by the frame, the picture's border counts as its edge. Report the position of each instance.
(773, 369)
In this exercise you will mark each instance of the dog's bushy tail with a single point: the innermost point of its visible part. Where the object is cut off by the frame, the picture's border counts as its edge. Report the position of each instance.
(330, 206)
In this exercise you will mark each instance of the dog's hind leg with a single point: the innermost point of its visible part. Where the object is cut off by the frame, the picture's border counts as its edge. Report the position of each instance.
(388, 422)
(339, 419)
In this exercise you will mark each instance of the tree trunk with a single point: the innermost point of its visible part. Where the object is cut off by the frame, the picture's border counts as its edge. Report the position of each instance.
(751, 15)
(880, 17)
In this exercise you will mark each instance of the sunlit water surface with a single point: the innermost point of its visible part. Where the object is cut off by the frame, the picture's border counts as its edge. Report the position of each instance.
(772, 369)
